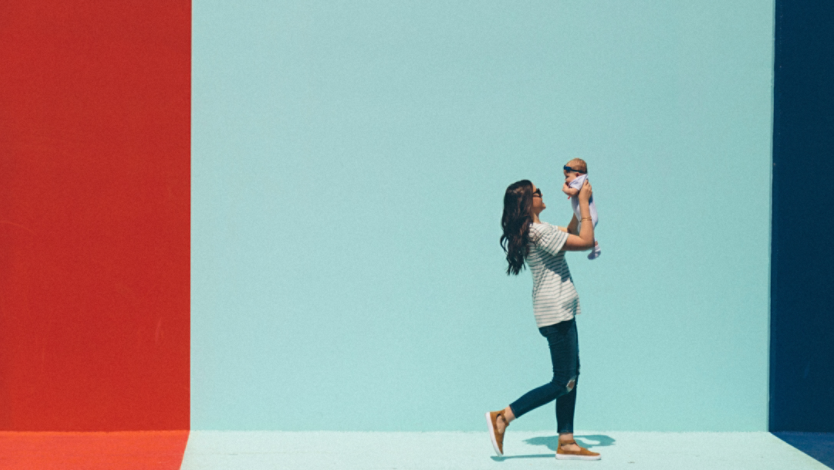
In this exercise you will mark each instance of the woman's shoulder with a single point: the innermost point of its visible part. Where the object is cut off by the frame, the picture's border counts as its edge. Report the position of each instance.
(540, 229)
(549, 236)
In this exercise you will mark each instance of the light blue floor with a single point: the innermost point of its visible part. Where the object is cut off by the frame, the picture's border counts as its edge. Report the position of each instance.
(209, 450)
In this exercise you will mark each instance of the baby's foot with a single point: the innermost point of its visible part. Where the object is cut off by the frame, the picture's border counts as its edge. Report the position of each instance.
(595, 253)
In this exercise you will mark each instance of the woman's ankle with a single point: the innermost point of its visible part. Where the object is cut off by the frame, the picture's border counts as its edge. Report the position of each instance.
(508, 414)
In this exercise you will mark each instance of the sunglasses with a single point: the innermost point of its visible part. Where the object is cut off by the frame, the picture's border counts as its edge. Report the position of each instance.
(567, 168)
(537, 193)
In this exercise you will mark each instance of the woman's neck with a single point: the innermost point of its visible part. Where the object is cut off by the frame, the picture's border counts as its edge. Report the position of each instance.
(536, 219)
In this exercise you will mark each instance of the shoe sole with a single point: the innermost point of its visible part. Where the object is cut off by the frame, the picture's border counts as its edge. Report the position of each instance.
(492, 435)
(577, 457)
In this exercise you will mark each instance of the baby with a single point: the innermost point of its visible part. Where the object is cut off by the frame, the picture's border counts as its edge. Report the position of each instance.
(576, 172)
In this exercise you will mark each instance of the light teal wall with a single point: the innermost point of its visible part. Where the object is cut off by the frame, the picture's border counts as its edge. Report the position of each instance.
(349, 164)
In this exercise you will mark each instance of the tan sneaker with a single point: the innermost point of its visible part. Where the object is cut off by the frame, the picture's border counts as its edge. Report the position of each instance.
(581, 454)
(496, 437)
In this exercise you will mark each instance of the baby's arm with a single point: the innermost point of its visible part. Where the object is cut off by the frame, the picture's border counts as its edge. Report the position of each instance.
(571, 192)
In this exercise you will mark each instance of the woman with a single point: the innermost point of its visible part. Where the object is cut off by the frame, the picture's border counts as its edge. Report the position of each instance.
(555, 303)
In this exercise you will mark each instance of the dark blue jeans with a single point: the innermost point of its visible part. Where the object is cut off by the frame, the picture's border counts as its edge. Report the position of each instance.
(564, 353)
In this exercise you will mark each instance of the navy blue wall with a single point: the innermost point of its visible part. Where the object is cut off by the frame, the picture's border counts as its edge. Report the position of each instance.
(802, 271)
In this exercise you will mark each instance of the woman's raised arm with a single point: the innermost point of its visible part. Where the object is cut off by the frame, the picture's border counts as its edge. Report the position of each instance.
(571, 228)
(585, 239)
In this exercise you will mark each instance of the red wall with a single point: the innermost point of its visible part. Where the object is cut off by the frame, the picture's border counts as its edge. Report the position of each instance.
(94, 214)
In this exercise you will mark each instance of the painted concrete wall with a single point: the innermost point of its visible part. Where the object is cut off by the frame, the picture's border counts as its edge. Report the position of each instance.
(94, 215)
(408, 121)
(349, 162)
(802, 329)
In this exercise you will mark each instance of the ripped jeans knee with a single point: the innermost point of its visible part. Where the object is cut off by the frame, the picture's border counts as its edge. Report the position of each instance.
(560, 386)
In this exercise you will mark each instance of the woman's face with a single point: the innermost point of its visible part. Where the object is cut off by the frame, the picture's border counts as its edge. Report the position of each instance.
(538, 202)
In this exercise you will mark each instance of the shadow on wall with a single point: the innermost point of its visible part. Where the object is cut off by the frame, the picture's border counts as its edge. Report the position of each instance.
(551, 442)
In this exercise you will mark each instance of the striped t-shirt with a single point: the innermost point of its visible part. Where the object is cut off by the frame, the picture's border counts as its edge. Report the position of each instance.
(554, 297)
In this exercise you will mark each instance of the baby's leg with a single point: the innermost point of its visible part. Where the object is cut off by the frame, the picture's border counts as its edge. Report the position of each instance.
(595, 252)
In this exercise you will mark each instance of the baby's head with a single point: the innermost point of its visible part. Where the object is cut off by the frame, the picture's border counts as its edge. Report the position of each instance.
(574, 168)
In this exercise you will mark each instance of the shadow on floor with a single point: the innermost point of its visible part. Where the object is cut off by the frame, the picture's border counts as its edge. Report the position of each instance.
(588, 441)
(819, 445)
(528, 456)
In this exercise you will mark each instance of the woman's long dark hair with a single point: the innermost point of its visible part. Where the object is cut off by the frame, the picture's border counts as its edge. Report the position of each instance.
(516, 220)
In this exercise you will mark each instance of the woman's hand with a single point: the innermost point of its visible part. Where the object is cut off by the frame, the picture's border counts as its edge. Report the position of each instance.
(585, 239)
(586, 192)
